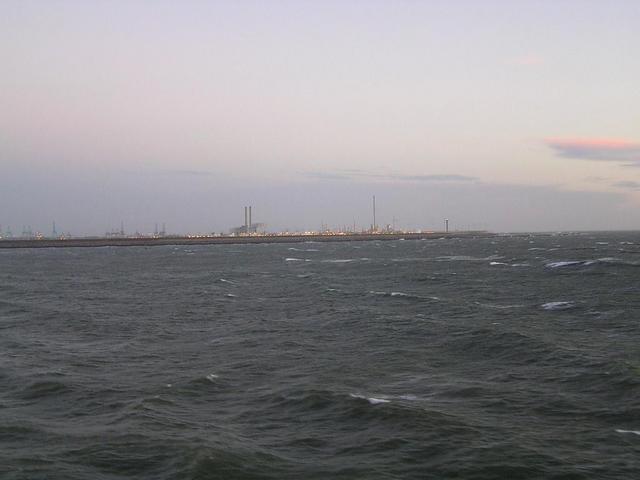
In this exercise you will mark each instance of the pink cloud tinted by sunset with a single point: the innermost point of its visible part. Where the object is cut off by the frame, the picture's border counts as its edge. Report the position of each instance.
(603, 149)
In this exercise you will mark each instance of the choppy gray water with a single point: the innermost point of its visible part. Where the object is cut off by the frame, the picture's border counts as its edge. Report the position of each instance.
(471, 358)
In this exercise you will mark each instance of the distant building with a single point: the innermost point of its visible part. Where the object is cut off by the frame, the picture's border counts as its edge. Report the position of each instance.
(252, 229)
(249, 228)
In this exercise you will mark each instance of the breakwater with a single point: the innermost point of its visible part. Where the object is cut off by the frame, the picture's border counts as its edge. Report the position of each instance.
(227, 240)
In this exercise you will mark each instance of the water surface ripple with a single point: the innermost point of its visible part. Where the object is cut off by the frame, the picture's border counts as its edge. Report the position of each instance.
(488, 358)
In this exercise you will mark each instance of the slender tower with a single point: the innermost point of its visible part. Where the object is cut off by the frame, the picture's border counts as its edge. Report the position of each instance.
(375, 226)
(446, 225)
(250, 222)
(246, 220)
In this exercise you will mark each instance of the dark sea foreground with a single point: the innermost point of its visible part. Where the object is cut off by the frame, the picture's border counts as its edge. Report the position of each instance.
(488, 358)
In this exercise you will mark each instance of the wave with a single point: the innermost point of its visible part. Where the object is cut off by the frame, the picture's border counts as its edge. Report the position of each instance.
(558, 305)
(379, 399)
(591, 262)
(635, 432)
(18, 431)
(499, 307)
(410, 397)
(409, 259)
(43, 389)
(495, 344)
(344, 406)
(199, 386)
(371, 400)
(467, 258)
(233, 459)
(404, 295)
(565, 263)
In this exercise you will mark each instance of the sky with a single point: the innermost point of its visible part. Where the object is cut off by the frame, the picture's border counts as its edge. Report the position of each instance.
(498, 115)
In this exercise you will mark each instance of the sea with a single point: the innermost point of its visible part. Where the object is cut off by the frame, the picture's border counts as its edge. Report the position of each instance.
(504, 357)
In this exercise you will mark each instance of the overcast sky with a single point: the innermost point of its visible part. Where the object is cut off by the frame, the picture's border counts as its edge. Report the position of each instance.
(502, 115)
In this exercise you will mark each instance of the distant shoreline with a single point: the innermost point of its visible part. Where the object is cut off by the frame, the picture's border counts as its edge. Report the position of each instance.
(229, 240)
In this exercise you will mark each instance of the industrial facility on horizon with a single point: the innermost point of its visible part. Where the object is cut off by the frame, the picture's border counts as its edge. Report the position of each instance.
(249, 228)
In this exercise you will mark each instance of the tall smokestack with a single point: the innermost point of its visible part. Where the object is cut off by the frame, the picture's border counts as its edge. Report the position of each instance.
(375, 228)
(246, 219)
(250, 223)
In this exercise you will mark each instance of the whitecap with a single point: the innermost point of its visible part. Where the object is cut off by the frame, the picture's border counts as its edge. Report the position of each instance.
(230, 295)
(211, 377)
(409, 397)
(520, 265)
(606, 260)
(390, 294)
(564, 263)
(587, 263)
(371, 400)
(290, 259)
(224, 280)
(375, 401)
(558, 305)
(497, 263)
(346, 260)
(635, 432)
